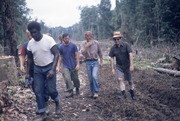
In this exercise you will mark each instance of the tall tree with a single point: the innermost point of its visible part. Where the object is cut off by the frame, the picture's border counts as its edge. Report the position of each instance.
(89, 19)
(21, 20)
(106, 28)
(171, 19)
(9, 41)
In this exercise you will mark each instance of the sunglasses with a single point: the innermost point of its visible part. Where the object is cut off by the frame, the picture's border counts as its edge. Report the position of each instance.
(116, 39)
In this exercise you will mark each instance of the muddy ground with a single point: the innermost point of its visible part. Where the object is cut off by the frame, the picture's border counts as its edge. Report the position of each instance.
(158, 99)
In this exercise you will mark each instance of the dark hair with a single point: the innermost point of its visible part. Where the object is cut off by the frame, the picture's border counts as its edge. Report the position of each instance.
(34, 25)
(65, 35)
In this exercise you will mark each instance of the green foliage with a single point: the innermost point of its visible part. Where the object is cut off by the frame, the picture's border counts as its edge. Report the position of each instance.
(151, 21)
(18, 19)
(144, 22)
(142, 64)
(20, 13)
(22, 82)
(105, 27)
(89, 19)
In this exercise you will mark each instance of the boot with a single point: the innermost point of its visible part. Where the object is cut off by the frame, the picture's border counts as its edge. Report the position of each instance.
(70, 94)
(58, 107)
(40, 113)
(77, 91)
(47, 111)
(133, 96)
(122, 95)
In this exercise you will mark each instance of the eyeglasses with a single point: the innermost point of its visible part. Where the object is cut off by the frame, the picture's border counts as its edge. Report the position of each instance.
(116, 39)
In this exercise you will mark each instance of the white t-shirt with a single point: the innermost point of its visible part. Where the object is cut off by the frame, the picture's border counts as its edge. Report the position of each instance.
(41, 50)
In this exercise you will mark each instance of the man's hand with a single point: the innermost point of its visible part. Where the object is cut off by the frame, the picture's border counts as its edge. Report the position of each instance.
(113, 71)
(77, 67)
(59, 69)
(88, 44)
(50, 74)
(131, 68)
(22, 69)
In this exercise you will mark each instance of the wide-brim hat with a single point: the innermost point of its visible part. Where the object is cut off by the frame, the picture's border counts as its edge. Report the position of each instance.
(117, 34)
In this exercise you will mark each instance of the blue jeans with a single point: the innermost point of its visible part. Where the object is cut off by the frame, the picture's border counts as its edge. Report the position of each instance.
(92, 70)
(43, 85)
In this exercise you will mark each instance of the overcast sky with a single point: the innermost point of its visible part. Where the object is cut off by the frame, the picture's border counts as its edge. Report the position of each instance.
(59, 12)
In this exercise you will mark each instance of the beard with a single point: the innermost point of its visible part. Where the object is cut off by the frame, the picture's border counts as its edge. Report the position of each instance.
(66, 42)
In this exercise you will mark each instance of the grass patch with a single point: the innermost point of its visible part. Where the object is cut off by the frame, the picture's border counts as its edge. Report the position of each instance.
(142, 64)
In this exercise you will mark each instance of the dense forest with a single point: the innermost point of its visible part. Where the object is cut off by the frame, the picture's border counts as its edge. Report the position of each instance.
(145, 22)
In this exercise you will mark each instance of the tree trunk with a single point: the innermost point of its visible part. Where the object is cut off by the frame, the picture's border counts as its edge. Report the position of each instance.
(10, 44)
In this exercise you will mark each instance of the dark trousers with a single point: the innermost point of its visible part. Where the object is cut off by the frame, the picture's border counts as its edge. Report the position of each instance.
(43, 85)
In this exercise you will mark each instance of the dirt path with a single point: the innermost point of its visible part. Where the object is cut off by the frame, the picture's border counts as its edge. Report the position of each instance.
(158, 99)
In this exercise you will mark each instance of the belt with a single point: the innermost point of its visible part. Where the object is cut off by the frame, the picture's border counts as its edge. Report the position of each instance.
(92, 60)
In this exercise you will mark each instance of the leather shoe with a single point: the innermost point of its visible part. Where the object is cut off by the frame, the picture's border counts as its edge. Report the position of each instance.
(58, 107)
(70, 95)
(133, 96)
(122, 95)
(40, 113)
(77, 91)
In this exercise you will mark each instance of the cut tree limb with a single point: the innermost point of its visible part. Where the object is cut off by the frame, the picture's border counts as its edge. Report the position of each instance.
(168, 71)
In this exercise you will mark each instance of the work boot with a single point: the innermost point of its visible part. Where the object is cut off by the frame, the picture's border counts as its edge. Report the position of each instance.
(58, 107)
(122, 95)
(77, 91)
(133, 96)
(40, 113)
(70, 94)
(47, 111)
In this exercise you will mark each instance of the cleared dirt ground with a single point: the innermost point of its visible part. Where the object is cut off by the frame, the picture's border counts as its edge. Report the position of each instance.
(157, 99)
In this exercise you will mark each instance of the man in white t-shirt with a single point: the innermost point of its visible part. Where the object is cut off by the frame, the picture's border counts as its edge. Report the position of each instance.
(43, 51)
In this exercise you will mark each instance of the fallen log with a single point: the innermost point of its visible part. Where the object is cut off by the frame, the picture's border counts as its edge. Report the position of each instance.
(168, 71)
(167, 65)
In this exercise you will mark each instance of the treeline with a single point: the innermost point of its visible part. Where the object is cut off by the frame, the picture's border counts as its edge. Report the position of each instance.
(145, 22)
(140, 21)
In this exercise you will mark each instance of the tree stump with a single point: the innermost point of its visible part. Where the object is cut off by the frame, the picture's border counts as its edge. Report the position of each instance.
(8, 69)
(3, 95)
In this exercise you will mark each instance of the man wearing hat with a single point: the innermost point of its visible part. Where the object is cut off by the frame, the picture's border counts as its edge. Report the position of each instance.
(124, 64)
